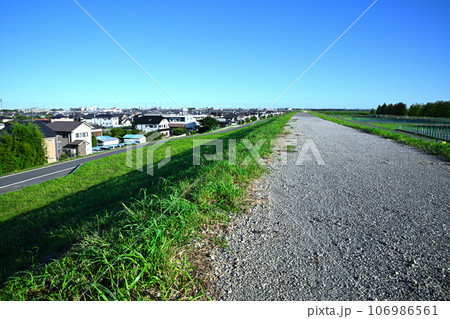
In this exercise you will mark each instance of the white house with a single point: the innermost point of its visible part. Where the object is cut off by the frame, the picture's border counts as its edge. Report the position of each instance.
(186, 121)
(133, 138)
(104, 120)
(152, 123)
(76, 137)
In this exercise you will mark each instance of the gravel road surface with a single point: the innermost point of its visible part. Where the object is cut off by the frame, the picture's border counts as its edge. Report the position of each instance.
(370, 224)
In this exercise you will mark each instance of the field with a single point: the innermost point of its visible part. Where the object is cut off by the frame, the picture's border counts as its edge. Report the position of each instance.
(370, 125)
(110, 232)
(436, 128)
(338, 112)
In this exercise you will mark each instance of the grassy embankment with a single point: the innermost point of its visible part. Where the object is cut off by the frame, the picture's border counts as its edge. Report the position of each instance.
(111, 232)
(443, 150)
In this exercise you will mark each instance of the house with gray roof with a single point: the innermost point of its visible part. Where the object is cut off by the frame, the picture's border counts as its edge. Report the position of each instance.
(76, 137)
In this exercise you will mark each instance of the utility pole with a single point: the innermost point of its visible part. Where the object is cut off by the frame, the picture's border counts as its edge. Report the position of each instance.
(1, 107)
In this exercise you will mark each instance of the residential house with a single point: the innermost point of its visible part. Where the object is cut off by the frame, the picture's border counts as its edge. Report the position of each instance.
(186, 121)
(105, 120)
(199, 117)
(232, 118)
(96, 130)
(76, 137)
(134, 138)
(223, 122)
(52, 142)
(152, 123)
(124, 120)
(4, 119)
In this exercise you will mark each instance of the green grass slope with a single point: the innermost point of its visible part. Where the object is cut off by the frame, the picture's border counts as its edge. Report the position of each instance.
(110, 232)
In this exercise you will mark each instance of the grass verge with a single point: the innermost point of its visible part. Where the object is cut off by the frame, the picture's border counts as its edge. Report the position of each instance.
(109, 232)
(435, 148)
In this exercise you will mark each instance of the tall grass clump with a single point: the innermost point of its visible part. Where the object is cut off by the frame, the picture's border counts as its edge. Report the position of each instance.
(146, 249)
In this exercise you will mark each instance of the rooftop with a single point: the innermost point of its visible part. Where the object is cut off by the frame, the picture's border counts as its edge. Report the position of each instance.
(106, 138)
(149, 119)
(132, 136)
(63, 126)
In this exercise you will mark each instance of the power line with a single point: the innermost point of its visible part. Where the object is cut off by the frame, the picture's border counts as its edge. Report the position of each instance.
(126, 52)
(324, 52)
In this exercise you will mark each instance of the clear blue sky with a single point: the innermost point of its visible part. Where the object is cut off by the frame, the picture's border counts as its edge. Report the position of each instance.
(223, 53)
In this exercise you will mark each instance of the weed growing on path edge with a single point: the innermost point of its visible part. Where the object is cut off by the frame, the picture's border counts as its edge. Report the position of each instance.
(291, 148)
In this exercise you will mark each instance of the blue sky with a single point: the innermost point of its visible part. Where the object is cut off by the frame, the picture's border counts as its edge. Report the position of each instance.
(223, 53)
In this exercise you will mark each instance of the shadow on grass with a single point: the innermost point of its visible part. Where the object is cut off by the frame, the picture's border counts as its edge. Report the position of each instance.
(47, 233)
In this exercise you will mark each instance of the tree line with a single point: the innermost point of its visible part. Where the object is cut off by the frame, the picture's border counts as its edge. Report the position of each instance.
(430, 109)
(22, 147)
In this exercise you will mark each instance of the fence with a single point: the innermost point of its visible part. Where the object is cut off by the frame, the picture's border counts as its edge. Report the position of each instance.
(441, 132)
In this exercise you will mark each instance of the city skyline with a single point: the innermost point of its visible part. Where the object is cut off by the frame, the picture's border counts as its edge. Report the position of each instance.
(223, 54)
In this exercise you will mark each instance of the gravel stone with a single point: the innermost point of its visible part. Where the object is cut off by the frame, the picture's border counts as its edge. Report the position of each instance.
(370, 224)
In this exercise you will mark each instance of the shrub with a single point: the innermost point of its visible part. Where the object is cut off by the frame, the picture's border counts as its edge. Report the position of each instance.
(23, 148)
(179, 131)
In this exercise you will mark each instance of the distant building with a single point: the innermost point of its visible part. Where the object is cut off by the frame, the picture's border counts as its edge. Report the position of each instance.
(134, 138)
(107, 140)
(152, 123)
(105, 120)
(60, 117)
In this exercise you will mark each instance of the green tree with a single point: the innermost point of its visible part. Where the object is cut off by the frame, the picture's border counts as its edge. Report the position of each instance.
(400, 109)
(22, 148)
(94, 141)
(7, 160)
(415, 110)
(253, 118)
(29, 147)
(429, 110)
(442, 109)
(208, 123)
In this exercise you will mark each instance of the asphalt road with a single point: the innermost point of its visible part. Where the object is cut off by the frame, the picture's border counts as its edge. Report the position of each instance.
(20, 180)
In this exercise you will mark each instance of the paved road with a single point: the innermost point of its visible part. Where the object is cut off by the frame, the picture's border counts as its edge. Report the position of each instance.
(39, 175)
(371, 223)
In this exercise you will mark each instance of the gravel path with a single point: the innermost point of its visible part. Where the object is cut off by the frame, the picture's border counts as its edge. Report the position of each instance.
(372, 223)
